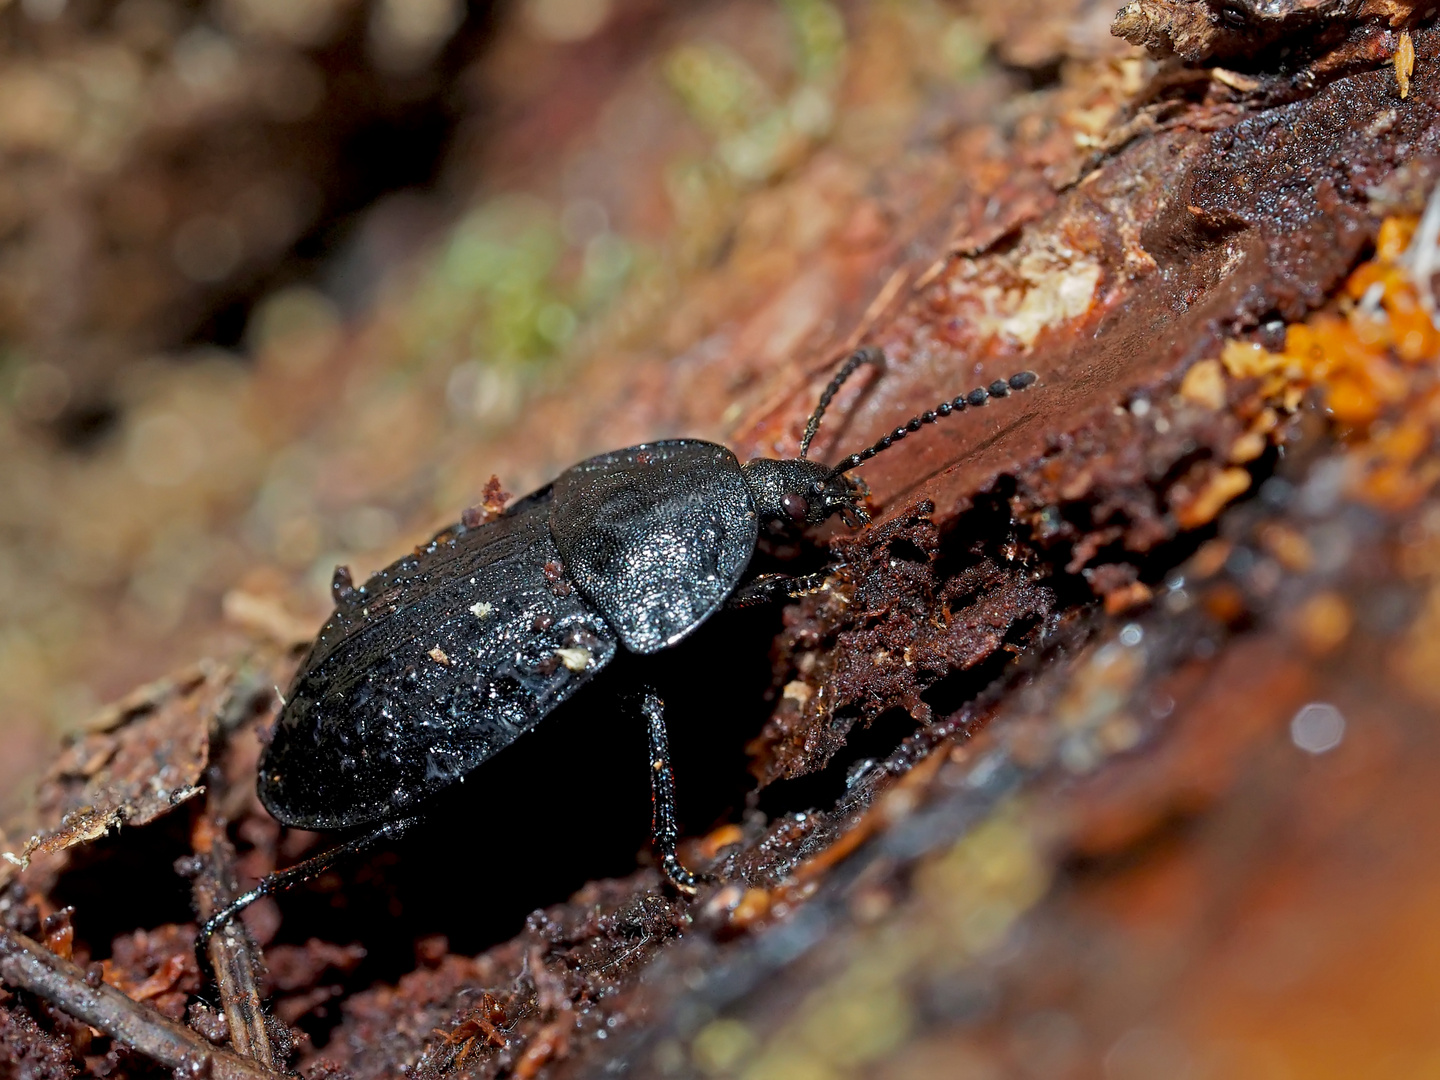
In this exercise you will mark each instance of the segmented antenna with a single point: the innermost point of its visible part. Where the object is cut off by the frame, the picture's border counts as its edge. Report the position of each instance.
(866, 354)
(974, 399)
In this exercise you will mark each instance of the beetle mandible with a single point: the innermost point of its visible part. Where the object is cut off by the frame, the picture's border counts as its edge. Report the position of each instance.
(448, 655)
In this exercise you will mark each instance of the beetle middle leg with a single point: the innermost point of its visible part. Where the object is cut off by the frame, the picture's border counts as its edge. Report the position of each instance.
(663, 830)
(772, 588)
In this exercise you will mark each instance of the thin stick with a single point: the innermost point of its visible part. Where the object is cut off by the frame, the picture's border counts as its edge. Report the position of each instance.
(30, 966)
(233, 956)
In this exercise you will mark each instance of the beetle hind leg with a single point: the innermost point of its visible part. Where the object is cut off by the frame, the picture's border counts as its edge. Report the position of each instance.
(288, 878)
(664, 832)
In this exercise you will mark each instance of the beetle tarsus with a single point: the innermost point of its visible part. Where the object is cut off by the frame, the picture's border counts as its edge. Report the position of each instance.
(664, 832)
(680, 878)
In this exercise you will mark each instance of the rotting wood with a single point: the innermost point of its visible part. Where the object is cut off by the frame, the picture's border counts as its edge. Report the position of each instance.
(30, 966)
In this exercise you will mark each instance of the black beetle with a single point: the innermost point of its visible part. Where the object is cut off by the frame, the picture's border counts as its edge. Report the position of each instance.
(448, 655)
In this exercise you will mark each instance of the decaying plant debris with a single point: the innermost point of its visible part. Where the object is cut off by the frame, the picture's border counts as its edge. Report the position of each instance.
(1117, 724)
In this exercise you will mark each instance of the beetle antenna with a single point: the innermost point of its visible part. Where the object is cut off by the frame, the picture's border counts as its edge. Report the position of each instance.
(974, 399)
(866, 354)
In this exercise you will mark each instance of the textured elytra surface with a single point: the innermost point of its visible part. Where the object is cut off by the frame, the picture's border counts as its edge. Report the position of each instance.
(439, 661)
(448, 655)
(655, 535)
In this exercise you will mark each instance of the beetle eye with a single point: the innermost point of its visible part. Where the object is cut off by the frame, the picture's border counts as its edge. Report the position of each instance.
(795, 506)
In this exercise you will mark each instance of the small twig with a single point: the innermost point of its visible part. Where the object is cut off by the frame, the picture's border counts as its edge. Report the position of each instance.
(231, 953)
(29, 965)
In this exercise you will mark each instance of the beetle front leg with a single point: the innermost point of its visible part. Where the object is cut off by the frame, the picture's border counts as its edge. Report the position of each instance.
(772, 588)
(663, 830)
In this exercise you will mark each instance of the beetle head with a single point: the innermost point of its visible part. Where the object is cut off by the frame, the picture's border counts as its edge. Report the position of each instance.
(796, 492)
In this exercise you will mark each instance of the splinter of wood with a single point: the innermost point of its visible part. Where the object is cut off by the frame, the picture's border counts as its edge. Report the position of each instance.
(231, 953)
